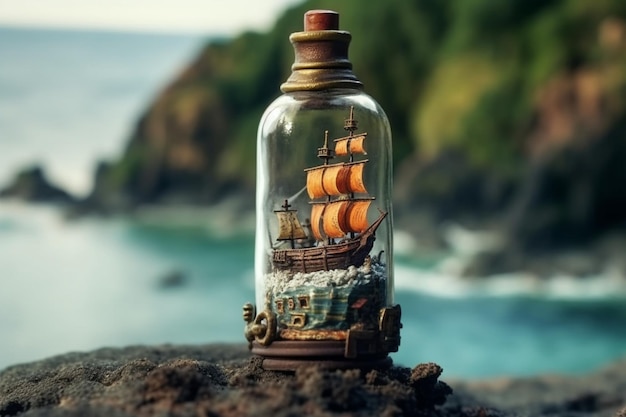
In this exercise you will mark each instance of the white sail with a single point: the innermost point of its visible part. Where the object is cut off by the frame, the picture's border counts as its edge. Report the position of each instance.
(289, 226)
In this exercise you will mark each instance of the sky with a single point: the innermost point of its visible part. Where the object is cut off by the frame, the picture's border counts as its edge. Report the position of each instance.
(213, 17)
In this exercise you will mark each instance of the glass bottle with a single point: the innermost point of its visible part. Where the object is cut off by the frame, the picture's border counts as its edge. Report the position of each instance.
(323, 257)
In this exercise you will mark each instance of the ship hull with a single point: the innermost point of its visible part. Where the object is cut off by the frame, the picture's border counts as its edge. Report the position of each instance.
(351, 252)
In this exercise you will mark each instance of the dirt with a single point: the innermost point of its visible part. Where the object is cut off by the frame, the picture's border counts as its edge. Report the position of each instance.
(225, 380)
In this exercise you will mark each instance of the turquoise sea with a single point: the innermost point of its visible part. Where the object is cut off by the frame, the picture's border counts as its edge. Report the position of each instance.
(68, 98)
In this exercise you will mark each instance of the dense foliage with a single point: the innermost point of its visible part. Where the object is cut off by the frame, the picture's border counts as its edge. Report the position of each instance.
(481, 95)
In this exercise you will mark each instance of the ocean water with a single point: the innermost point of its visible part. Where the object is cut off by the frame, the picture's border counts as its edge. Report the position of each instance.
(69, 98)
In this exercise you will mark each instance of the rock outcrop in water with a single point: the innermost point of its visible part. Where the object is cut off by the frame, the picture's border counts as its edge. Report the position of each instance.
(31, 185)
(223, 380)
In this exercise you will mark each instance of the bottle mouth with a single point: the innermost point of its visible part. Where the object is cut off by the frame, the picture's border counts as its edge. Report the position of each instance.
(321, 55)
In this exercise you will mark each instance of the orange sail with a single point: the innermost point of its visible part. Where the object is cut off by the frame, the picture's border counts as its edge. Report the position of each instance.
(356, 216)
(317, 211)
(335, 180)
(356, 184)
(315, 182)
(328, 180)
(335, 224)
(350, 145)
(331, 186)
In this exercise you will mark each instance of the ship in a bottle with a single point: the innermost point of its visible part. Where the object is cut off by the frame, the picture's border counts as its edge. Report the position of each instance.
(339, 235)
(325, 283)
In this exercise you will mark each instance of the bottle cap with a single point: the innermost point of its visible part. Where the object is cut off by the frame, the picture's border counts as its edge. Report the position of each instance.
(321, 20)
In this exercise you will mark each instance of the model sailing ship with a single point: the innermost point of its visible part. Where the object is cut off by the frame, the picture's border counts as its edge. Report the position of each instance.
(340, 234)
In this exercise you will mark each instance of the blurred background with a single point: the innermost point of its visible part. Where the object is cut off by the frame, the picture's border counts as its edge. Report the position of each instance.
(127, 149)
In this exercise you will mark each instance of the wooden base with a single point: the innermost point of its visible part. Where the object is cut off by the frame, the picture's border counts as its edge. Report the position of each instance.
(288, 355)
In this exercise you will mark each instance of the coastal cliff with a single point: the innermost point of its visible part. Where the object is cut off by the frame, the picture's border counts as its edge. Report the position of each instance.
(509, 117)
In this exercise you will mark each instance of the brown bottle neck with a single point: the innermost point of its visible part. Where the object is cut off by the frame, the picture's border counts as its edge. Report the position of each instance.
(321, 60)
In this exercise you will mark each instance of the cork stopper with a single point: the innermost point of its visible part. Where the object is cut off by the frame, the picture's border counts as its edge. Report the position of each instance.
(321, 20)
(321, 55)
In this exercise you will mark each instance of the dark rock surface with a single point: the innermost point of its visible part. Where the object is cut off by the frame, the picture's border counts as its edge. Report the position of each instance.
(215, 380)
(31, 185)
(223, 380)
(602, 393)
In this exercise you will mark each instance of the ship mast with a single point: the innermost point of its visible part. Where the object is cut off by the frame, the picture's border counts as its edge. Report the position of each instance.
(326, 154)
(351, 125)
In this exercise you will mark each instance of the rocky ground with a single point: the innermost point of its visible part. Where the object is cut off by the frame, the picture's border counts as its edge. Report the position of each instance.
(223, 380)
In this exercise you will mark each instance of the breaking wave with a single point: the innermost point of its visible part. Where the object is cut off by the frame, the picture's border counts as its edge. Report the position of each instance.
(442, 277)
(562, 287)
